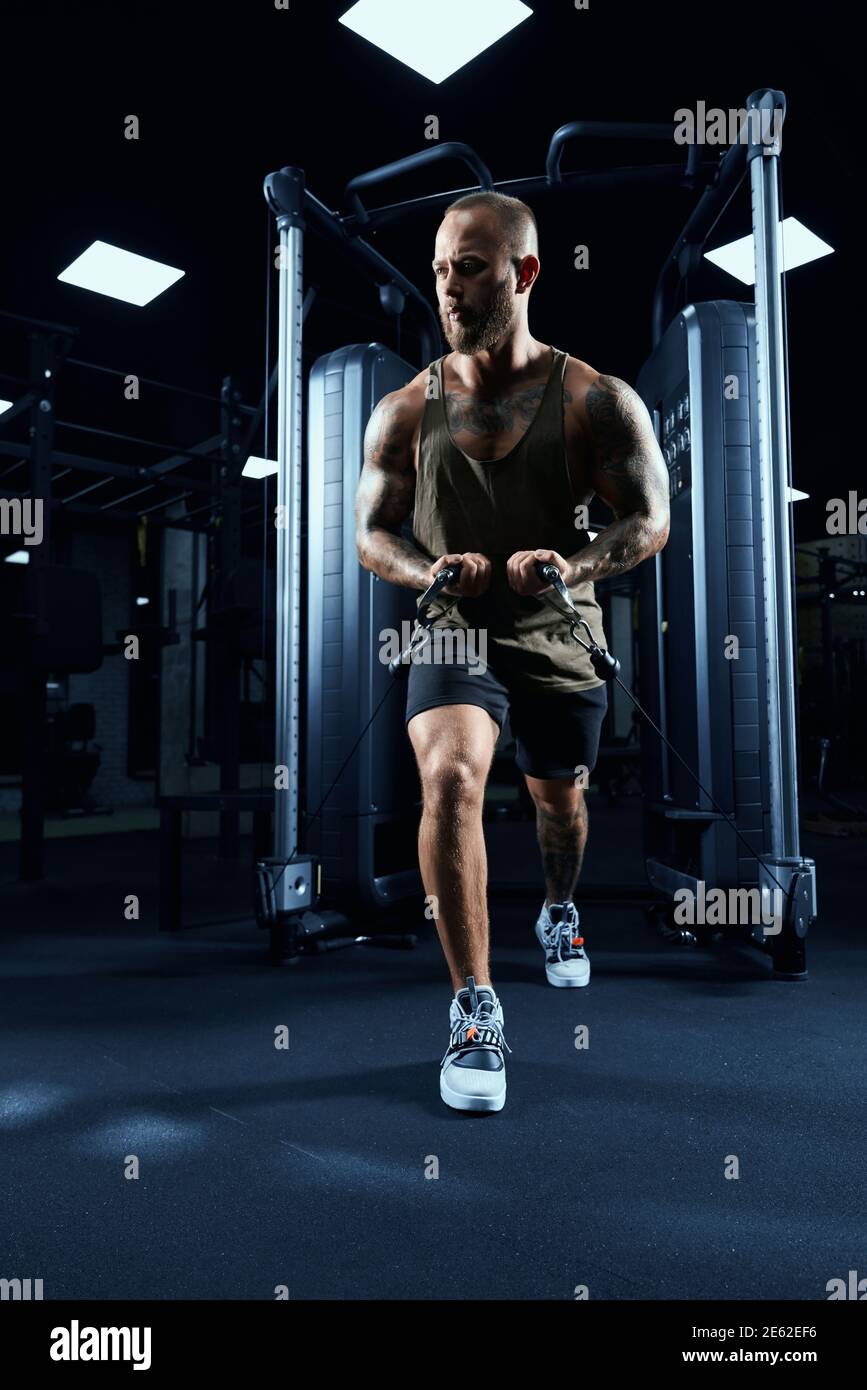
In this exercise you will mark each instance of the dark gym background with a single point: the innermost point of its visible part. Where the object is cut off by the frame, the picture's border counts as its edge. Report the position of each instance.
(304, 1167)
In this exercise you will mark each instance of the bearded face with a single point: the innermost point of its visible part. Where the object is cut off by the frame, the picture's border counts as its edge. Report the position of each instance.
(477, 327)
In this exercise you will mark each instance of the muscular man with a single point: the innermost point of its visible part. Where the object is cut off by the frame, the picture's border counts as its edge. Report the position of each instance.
(494, 448)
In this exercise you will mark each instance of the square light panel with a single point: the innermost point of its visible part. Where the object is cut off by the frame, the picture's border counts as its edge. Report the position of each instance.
(258, 468)
(110, 270)
(434, 37)
(796, 245)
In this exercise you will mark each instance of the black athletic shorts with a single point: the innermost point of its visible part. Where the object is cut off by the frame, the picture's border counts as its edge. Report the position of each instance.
(555, 732)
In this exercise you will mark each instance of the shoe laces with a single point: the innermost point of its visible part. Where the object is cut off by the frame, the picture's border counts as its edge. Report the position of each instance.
(477, 1028)
(563, 939)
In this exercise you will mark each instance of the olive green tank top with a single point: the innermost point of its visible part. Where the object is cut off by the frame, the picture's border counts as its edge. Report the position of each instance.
(523, 501)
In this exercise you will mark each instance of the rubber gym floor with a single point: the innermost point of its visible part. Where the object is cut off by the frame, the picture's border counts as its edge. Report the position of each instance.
(312, 1166)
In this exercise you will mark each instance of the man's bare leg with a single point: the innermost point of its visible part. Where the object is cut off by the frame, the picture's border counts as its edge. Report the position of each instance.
(561, 828)
(454, 745)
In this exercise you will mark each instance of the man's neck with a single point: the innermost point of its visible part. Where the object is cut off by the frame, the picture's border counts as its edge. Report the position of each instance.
(502, 366)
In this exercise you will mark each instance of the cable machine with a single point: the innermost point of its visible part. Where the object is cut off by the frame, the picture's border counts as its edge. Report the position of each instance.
(289, 895)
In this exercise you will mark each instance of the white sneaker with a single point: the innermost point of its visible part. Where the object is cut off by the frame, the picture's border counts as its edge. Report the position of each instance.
(558, 933)
(473, 1070)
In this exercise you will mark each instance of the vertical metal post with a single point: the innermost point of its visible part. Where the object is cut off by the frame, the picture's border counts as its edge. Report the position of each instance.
(764, 157)
(285, 194)
(45, 352)
(228, 641)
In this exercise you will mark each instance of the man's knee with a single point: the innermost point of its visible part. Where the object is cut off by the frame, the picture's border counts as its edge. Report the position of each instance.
(556, 795)
(454, 747)
(452, 778)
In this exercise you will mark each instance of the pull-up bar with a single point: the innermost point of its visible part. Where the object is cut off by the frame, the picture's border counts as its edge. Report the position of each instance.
(598, 130)
(452, 149)
(672, 175)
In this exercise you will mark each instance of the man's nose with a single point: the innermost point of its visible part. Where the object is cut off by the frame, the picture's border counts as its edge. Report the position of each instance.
(450, 286)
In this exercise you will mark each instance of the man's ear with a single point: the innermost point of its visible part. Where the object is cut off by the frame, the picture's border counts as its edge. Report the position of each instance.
(528, 272)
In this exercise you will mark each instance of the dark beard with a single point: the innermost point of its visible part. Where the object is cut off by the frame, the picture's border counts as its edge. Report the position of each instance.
(486, 327)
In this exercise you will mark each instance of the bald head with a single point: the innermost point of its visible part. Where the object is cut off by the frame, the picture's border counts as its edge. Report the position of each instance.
(485, 263)
(510, 222)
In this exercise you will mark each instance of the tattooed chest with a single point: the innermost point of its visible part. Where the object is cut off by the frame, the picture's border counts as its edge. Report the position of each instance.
(486, 429)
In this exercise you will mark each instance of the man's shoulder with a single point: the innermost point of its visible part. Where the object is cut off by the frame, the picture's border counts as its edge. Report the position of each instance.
(587, 392)
(406, 404)
(578, 378)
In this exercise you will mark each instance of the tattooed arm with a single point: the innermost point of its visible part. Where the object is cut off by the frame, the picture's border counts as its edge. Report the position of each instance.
(386, 494)
(628, 472)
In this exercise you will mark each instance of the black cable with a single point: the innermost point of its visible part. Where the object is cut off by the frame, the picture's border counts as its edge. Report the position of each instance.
(339, 774)
(681, 760)
(391, 686)
(564, 614)
(758, 858)
(310, 819)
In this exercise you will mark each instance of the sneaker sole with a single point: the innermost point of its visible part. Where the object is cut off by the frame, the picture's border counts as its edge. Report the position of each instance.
(559, 981)
(457, 1101)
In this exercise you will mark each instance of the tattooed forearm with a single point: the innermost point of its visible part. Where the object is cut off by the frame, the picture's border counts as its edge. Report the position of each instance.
(385, 498)
(630, 475)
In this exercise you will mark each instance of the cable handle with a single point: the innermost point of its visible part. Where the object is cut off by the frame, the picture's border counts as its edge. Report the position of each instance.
(398, 666)
(552, 575)
(447, 575)
(604, 664)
